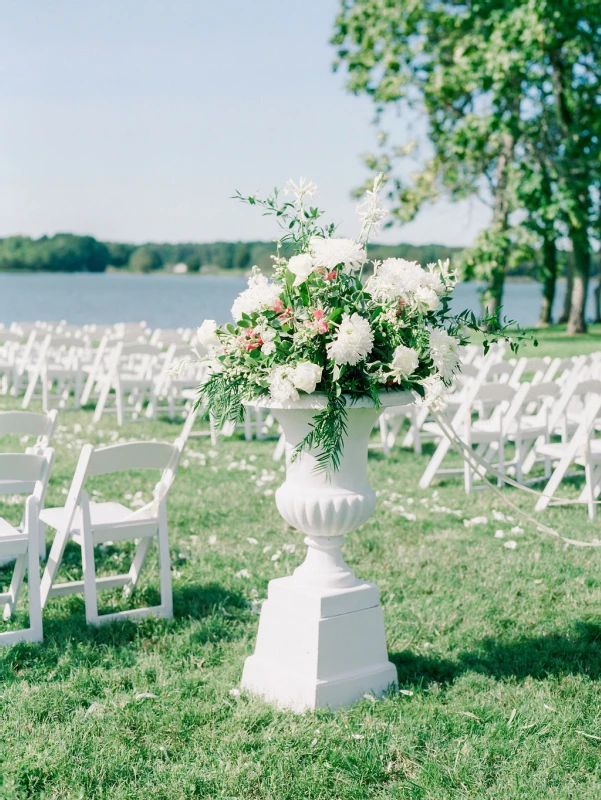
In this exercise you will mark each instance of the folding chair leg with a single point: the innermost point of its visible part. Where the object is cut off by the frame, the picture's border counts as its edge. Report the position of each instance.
(467, 477)
(501, 462)
(15, 585)
(590, 486)
(384, 435)
(33, 575)
(89, 567)
(119, 403)
(164, 564)
(42, 541)
(104, 393)
(139, 559)
(45, 393)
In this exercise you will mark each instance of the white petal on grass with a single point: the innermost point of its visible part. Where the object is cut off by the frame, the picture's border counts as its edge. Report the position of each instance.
(469, 523)
(146, 696)
(251, 540)
(511, 544)
(499, 534)
(243, 573)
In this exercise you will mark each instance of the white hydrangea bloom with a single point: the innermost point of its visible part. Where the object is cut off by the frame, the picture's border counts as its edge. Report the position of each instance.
(260, 295)
(281, 387)
(301, 266)
(397, 278)
(305, 376)
(206, 334)
(331, 253)
(353, 342)
(405, 361)
(444, 350)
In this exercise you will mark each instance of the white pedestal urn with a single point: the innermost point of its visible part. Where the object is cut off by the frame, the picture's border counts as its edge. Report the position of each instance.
(321, 641)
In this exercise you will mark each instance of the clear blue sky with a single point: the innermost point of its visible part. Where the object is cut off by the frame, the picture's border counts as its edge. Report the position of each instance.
(136, 120)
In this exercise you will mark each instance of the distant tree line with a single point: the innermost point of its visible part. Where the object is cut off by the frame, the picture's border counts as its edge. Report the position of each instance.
(67, 252)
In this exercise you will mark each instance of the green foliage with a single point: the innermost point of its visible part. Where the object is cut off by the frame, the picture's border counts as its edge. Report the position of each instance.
(64, 252)
(509, 94)
(145, 259)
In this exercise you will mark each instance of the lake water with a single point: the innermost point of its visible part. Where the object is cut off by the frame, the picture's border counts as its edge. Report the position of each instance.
(171, 301)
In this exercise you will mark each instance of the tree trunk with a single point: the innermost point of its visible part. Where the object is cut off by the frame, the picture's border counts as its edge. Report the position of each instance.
(492, 297)
(582, 267)
(598, 300)
(567, 303)
(549, 280)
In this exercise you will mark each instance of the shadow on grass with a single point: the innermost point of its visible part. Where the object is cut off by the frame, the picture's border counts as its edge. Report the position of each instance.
(70, 643)
(577, 652)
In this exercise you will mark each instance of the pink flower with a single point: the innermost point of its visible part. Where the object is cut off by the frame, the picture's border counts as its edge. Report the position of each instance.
(330, 275)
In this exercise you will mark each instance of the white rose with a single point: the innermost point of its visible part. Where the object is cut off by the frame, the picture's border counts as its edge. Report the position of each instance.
(427, 297)
(206, 334)
(305, 376)
(404, 361)
(301, 266)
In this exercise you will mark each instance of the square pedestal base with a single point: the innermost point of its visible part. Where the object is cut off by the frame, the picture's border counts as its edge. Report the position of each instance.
(319, 650)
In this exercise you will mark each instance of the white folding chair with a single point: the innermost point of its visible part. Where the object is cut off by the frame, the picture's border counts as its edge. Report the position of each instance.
(26, 473)
(90, 524)
(134, 370)
(531, 427)
(581, 449)
(58, 368)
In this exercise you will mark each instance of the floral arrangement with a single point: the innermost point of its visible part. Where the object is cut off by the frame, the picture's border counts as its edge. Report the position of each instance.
(321, 323)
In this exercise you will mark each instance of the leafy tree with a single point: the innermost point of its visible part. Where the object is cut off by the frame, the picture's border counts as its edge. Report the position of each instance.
(120, 253)
(145, 259)
(500, 81)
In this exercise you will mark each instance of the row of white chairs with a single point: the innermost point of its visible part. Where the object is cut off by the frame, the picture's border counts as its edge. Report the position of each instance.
(120, 368)
(552, 419)
(81, 521)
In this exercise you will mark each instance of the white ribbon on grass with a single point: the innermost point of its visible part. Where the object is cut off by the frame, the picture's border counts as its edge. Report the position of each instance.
(476, 463)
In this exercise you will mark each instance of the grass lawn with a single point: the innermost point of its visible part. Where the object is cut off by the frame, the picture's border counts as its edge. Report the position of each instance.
(554, 341)
(498, 650)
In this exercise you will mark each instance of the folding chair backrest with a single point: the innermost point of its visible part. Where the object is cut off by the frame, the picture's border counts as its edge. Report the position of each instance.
(542, 390)
(490, 393)
(129, 456)
(28, 423)
(500, 371)
(26, 473)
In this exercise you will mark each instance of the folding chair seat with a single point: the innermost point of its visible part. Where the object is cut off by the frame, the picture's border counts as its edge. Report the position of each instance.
(25, 473)
(89, 524)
